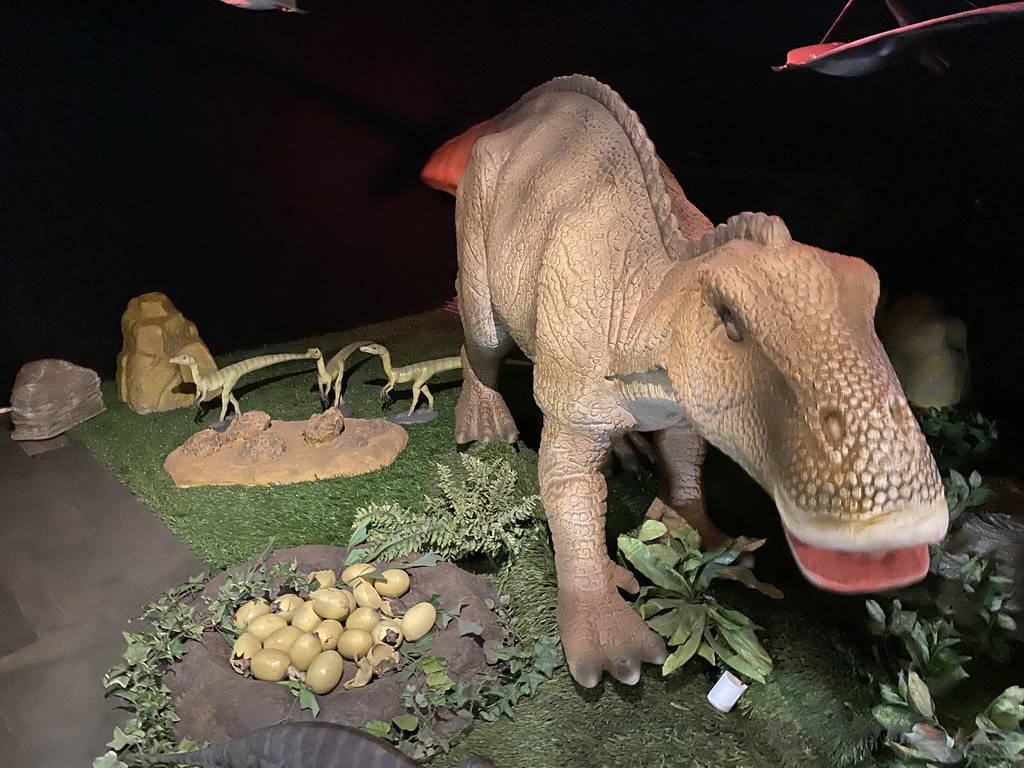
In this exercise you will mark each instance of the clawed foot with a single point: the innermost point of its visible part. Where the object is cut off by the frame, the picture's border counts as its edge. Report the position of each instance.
(692, 513)
(601, 632)
(482, 416)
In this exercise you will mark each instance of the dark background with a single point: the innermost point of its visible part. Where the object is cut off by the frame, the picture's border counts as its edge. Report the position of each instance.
(261, 168)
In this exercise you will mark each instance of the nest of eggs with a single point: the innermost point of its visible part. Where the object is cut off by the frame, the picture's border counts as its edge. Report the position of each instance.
(360, 618)
(217, 698)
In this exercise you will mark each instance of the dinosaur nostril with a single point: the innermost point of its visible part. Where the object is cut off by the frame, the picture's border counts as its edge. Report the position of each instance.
(832, 421)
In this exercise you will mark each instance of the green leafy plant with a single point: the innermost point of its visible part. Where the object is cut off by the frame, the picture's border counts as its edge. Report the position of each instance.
(963, 493)
(954, 436)
(433, 696)
(478, 510)
(917, 737)
(679, 605)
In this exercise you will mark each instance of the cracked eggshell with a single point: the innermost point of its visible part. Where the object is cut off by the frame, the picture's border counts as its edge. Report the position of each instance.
(251, 610)
(265, 626)
(394, 584)
(245, 647)
(283, 638)
(329, 630)
(382, 657)
(271, 665)
(353, 574)
(363, 676)
(286, 605)
(323, 578)
(333, 603)
(354, 643)
(366, 596)
(305, 617)
(418, 621)
(324, 673)
(388, 632)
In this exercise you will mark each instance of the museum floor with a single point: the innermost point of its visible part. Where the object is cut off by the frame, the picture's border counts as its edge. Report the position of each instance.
(79, 556)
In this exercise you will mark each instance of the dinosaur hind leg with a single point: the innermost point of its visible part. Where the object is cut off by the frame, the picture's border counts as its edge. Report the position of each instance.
(481, 414)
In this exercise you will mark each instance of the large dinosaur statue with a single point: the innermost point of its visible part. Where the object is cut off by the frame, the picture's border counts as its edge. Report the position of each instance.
(331, 374)
(417, 373)
(572, 239)
(225, 379)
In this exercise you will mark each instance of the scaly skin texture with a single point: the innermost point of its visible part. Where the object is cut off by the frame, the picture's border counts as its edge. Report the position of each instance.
(576, 243)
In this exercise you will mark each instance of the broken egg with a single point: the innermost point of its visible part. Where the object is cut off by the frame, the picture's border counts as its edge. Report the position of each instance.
(323, 578)
(286, 605)
(366, 596)
(329, 630)
(353, 574)
(388, 632)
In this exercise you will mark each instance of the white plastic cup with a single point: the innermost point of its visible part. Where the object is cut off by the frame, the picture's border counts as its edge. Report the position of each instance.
(726, 692)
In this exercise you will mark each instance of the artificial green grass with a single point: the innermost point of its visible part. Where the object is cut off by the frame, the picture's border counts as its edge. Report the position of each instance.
(814, 710)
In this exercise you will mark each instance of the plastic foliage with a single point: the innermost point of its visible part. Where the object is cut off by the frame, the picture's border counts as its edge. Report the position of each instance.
(914, 733)
(954, 436)
(478, 511)
(679, 605)
(964, 493)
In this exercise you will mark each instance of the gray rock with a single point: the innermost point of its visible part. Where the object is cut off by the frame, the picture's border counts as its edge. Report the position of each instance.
(51, 396)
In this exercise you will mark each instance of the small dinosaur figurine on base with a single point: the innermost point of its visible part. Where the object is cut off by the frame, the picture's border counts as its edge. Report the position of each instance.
(417, 373)
(225, 379)
(331, 374)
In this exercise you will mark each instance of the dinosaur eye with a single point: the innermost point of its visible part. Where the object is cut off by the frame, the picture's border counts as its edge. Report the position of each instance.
(732, 329)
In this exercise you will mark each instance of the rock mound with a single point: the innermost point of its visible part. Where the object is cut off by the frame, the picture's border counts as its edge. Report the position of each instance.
(51, 396)
(322, 428)
(154, 331)
(216, 704)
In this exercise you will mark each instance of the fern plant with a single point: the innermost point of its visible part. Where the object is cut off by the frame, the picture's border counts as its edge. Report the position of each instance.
(478, 511)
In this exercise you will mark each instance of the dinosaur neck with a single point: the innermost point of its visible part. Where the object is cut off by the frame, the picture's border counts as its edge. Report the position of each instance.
(196, 375)
(320, 369)
(385, 360)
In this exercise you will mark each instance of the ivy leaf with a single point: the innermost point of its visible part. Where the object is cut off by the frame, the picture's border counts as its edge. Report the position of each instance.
(378, 728)
(407, 723)
(425, 561)
(109, 760)
(308, 701)
(122, 739)
(467, 627)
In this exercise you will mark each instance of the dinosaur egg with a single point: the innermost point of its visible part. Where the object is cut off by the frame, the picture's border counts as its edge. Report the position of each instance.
(286, 605)
(324, 672)
(323, 578)
(388, 632)
(394, 584)
(306, 647)
(245, 647)
(283, 638)
(353, 574)
(265, 626)
(251, 610)
(366, 596)
(329, 630)
(270, 665)
(362, 618)
(332, 603)
(305, 617)
(354, 643)
(418, 621)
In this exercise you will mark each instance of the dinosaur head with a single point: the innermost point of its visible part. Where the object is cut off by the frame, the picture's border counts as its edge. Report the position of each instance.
(372, 349)
(183, 360)
(774, 356)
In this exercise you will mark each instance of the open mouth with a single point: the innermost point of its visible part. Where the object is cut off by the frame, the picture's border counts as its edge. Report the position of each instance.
(860, 572)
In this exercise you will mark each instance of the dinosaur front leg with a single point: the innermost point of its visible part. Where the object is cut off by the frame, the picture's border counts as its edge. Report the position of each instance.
(599, 630)
(680, 457)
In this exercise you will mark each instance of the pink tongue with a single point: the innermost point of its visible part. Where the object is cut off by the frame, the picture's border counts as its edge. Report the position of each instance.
(858, 572)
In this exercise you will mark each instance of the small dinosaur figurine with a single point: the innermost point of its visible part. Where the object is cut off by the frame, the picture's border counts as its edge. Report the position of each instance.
(225, 379)
(302, 745)
(331, 374)
(417, 373)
